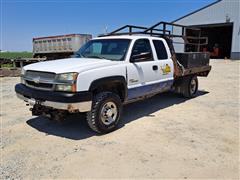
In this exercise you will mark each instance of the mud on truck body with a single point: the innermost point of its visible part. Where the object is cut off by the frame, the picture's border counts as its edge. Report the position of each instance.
(110, 71)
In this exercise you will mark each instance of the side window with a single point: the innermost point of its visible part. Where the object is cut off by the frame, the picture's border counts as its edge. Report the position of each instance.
(160, 49)
(142, 46)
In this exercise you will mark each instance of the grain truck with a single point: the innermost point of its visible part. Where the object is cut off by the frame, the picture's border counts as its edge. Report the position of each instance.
(58, 47)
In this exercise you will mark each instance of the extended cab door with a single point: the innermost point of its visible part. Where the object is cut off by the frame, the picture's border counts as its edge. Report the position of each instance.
(147, 74)
(163, 58)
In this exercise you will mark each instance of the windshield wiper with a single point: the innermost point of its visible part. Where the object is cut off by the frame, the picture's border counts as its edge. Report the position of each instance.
(79, 54)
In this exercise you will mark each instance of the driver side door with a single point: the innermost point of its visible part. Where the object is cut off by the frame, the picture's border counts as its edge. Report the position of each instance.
(142, 72)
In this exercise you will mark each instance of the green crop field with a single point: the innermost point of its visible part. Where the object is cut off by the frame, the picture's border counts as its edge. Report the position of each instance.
(14, 55)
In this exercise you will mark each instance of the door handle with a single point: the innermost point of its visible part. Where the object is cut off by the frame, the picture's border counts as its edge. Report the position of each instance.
(155, 67)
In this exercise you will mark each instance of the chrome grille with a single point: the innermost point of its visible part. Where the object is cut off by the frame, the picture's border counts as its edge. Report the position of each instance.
(39, 85)
(42, 75)
(39, 80)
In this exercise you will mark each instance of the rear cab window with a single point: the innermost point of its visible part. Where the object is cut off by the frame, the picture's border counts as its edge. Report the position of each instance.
(160, 49)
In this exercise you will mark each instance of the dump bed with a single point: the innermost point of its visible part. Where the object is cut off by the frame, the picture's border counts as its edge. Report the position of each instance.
(43, 46)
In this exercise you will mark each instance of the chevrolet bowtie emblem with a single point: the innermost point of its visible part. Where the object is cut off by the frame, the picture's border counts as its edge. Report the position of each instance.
(36, 79)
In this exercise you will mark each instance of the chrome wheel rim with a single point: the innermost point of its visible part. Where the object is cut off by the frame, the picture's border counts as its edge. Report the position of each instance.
(193, 86)
(109, 113)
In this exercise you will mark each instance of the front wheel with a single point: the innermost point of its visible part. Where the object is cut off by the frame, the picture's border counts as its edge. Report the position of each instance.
(105, 114)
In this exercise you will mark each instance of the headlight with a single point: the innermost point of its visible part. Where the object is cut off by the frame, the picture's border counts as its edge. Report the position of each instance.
(67, 76)
(69, 79)
(65, 88)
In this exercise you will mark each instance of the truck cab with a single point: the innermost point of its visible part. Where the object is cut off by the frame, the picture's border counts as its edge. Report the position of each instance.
(102, 76)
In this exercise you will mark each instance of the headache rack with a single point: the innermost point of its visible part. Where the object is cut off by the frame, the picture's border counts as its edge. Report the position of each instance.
(172, 33)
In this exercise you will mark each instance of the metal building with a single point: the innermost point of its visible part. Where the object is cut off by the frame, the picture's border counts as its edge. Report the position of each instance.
(220, 22)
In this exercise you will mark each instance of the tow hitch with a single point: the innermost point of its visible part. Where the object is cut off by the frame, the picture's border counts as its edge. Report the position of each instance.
(50, 113)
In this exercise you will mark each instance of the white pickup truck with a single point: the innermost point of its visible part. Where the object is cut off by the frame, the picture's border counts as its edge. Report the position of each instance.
(106, 73)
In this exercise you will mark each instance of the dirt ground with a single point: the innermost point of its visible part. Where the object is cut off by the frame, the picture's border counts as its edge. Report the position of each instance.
(163, 137)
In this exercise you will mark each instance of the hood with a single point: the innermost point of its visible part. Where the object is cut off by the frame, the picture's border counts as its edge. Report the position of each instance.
(69, 65)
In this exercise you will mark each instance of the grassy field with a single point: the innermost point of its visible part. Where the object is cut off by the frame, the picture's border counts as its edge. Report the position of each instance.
(13, 55)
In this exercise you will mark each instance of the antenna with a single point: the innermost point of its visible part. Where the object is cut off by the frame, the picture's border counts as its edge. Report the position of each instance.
(106, 30)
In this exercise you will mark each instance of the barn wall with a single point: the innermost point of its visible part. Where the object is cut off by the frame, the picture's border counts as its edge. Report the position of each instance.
(214, 14)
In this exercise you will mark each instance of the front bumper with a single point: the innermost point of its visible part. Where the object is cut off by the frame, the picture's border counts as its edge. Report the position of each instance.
(81, 101)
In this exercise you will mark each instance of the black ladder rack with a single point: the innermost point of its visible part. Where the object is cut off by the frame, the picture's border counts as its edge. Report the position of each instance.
(161, 29)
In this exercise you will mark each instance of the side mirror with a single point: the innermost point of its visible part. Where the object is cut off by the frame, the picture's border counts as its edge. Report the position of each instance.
(141, 57)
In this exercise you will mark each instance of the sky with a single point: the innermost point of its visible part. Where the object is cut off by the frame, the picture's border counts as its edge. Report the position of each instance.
(21, 20)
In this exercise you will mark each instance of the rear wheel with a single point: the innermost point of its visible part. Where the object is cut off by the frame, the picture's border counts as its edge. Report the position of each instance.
(105, 114)
(190, 86)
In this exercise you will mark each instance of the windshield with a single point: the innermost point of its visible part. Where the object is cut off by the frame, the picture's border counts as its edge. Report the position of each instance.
(111, 49)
